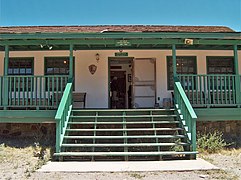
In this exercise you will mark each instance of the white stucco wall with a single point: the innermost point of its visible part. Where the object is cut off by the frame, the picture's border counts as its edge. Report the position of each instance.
(96, 85)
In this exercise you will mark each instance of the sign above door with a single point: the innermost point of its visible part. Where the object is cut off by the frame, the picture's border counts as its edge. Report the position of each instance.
(121, 54)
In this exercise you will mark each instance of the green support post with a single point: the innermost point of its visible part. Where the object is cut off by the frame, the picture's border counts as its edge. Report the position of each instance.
(6, 60)
(174, 61)
(237, 77)
(71, 48)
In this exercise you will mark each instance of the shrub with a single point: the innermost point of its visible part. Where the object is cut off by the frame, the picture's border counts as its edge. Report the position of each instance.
(211, 142)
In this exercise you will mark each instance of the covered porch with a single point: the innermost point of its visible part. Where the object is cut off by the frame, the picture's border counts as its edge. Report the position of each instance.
(45, 91)
(52, 96)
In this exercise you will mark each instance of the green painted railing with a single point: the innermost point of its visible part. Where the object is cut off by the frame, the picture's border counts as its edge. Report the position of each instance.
(185, 112)
(211, 90)
(62, 115)
(31, 91)
(1, 91)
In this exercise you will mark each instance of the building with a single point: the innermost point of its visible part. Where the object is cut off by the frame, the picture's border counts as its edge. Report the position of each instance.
(49, 73)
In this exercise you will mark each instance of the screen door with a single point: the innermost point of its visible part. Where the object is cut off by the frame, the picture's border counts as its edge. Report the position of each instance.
(144, 83)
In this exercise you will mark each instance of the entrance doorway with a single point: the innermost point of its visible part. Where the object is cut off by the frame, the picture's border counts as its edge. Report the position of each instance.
(120, 82)
(132, 82)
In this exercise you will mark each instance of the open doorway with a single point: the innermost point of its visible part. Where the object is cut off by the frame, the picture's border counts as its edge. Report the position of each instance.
(120, 80)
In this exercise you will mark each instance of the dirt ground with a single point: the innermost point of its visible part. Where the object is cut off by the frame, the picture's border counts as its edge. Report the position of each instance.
(21, 162)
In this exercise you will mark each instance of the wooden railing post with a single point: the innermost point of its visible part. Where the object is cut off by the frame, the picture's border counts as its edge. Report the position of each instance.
(6, 61)
(237, 78)
(71, 58)
(174, 61)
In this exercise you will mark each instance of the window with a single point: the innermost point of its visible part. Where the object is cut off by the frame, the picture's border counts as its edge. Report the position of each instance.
(185, 65)
(56, 66)
(220, 65)
(21, 66)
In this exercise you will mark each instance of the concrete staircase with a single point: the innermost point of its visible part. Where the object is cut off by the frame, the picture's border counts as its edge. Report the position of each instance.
(125, 134)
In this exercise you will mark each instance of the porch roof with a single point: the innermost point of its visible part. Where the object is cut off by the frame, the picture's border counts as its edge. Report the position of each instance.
(118, 37)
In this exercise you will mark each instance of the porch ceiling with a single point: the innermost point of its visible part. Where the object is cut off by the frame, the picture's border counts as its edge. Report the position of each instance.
(117, 40)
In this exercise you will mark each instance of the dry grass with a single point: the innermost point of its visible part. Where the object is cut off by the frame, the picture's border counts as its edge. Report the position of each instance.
(20, 163)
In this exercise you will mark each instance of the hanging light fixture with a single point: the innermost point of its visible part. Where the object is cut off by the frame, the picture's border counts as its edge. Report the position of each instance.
(97, 57)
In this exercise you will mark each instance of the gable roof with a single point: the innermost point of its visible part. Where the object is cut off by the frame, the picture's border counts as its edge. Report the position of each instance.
(112, 28)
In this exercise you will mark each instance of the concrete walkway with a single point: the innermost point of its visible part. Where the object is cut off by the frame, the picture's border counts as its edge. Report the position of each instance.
(175, 165)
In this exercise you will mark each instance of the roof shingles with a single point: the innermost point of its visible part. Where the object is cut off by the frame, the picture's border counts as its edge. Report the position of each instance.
(112, 28)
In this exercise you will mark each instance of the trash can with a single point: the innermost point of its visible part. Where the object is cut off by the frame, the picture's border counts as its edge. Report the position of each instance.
(166, 103)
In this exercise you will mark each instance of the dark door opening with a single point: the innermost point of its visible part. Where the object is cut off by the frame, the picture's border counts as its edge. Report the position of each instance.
(118, 89)
(120, 80)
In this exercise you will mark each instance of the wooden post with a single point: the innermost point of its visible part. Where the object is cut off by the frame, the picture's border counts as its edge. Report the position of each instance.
(235, 54)
(174, 61)
(237, 77)
(6, 62)
(71, 59)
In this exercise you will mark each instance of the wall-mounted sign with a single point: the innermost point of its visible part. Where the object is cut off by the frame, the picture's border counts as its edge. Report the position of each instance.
(123, 43)
(92, 68)
(121, 54)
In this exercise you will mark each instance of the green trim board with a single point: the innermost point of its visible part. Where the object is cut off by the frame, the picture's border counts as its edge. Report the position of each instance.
(99, 41)
(27, 116)
(226, 35)
(218, 114)
(44, 116)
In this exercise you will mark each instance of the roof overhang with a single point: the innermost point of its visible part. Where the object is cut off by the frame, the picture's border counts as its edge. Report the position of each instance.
(120, 40)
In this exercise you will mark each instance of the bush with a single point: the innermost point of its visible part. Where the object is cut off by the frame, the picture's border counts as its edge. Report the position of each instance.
(211, 142)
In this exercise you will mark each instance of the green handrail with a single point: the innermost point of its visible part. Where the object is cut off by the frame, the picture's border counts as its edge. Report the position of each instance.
(63, 114)
(185, 112)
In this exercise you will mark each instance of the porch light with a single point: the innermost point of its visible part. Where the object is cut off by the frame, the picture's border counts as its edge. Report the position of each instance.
(65, 61)
(50, 47)
(97, 57)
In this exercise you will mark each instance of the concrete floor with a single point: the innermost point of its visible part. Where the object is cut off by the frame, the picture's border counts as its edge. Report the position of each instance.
(130, 166)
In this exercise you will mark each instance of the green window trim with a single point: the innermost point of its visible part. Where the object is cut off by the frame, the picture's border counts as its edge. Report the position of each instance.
(191, 61)
(60, 69)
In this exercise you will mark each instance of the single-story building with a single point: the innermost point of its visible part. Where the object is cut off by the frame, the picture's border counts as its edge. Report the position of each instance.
(121, 91)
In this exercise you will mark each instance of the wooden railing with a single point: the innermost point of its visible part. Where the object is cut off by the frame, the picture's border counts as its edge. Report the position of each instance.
(31, 91)
(1, 91)
(211, 90)
(62, 115)
(185, 113)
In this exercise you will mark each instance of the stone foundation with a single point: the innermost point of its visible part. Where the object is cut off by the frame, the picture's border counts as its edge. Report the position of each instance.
(46, 131)
(231, 130)
(39, 132)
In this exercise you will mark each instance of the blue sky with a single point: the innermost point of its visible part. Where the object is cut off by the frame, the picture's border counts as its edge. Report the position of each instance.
(102, 12)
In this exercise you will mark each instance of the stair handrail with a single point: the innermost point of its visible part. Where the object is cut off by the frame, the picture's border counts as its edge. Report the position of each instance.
(185, 112)
(63, 114)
